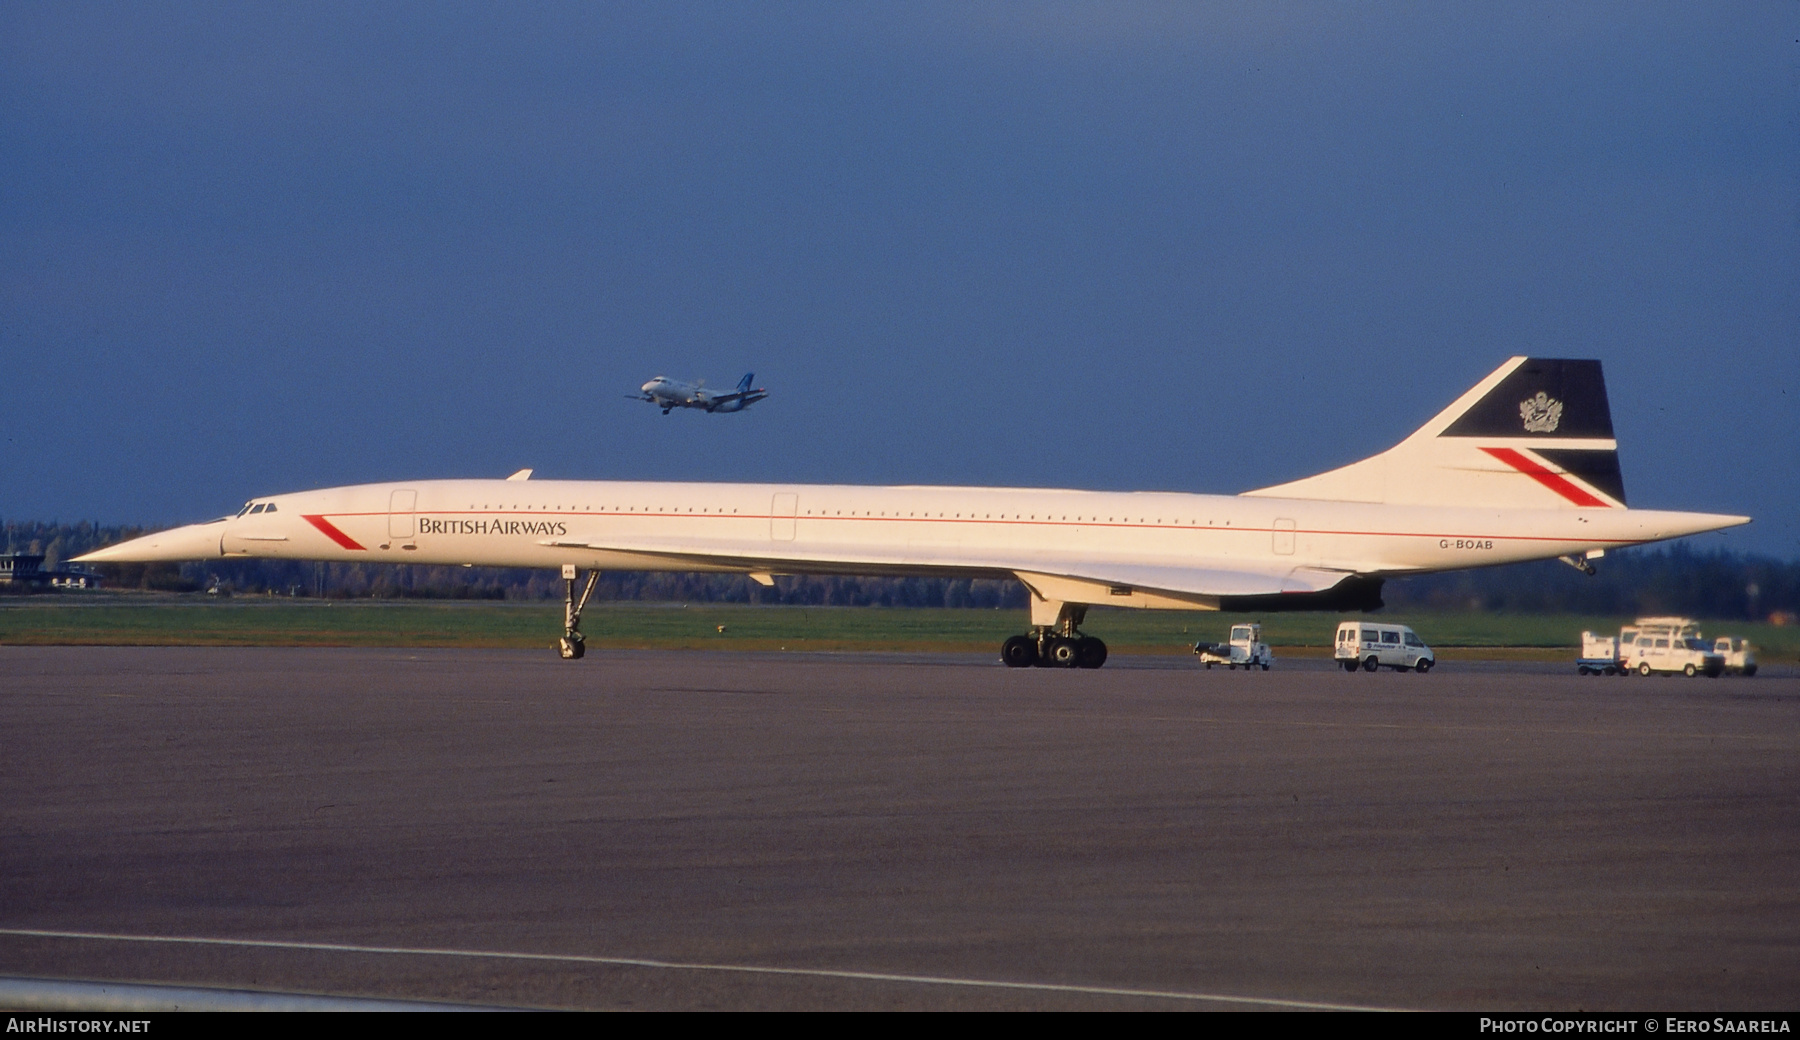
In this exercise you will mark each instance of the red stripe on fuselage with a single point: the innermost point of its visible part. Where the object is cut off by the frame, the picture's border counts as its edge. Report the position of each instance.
(332, 532)
(621, 513)
(1554, 481)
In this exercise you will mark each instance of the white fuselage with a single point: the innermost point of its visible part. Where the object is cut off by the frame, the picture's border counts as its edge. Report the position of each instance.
(673, 393)
(847, 529)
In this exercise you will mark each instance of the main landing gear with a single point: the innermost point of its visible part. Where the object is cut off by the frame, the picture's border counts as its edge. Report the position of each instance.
(1045, 650)
(1057, 645)
(572, 645)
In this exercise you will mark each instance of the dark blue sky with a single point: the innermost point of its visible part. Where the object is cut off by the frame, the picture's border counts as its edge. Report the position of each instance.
(256, 248)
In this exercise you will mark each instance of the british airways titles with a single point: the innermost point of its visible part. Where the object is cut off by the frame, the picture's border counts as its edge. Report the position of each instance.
(555, 528)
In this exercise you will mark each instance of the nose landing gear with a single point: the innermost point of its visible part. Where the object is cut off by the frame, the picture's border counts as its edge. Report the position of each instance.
(573, 645)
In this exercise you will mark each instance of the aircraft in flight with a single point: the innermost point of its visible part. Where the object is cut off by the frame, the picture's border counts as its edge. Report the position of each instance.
(1521, 467)
(669, 394)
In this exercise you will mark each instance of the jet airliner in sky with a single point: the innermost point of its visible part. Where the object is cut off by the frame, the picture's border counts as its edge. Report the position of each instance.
(1521, 467)
(669, 394)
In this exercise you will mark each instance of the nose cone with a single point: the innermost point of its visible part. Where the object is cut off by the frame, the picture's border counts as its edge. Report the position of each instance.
(193, 542)
(1661, 525)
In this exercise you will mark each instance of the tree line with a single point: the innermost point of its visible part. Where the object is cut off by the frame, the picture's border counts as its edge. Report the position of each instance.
(1672, 579)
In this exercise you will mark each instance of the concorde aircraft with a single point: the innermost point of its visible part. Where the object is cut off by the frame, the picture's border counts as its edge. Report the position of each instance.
(669, 394)
(1522, 467)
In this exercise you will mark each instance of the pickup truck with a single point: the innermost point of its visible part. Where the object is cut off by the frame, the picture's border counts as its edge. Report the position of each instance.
(1740, 656)
(1245, 648)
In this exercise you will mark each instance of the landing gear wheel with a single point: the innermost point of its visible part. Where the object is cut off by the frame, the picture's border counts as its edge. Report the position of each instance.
(1089, 652)
(1372, 663)
(1424, 665)
(1019, 652)
(572, 649)
(1062, 653)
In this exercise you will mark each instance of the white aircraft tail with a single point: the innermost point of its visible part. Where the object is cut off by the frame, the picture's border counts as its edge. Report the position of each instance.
(1536, 434)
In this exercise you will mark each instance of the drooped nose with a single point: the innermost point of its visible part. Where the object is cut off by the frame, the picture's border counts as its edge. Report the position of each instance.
(193, 542)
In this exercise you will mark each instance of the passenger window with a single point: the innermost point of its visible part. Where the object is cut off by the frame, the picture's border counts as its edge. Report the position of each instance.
(1370, 636)
(1390, 637)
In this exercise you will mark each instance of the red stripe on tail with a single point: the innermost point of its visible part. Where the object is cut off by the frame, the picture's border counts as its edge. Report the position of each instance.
(1554, 481)
(333, 533)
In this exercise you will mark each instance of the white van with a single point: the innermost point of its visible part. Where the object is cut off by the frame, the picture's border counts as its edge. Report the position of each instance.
(1668, 645)
(1377, 644)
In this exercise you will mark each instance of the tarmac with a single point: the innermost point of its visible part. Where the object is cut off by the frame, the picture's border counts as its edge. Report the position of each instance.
(690, 830)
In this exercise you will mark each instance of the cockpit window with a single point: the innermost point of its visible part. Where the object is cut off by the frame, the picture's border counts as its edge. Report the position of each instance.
(255, 510)
(246, 508)
(271, 508)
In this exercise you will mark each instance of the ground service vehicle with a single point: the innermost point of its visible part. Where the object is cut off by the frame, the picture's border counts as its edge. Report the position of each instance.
(1370, 645)
(1599, 655)
(1740, 656)
(1244, 648)
(1666, 645)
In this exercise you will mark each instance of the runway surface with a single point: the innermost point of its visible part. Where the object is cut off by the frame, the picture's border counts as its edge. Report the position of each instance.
(693, 830)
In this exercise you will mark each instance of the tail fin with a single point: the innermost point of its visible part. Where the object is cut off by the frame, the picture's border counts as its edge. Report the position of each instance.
(744, 383)
(1536, 434)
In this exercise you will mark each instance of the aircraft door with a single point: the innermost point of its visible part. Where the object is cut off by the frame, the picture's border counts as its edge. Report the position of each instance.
(403, 521)
(1284, 538)
(782, 510)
